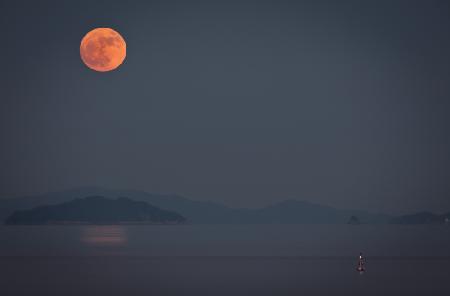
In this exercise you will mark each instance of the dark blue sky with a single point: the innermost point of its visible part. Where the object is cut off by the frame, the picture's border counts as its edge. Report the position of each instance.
(343, 103)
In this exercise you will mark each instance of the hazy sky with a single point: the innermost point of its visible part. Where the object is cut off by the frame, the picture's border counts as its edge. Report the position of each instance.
(246, 103)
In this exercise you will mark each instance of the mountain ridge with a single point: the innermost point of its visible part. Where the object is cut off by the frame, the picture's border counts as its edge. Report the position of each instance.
(290, 211)
(95, 210)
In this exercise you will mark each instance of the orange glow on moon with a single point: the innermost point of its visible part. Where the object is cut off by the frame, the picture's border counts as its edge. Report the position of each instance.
(103, 49)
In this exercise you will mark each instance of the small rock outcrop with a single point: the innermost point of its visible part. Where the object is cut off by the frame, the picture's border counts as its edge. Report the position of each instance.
(354, 220)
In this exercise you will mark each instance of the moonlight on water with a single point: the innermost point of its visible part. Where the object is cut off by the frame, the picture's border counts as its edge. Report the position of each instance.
(103, 49)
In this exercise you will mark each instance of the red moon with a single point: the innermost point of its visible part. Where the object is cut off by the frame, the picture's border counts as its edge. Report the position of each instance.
(103, 49)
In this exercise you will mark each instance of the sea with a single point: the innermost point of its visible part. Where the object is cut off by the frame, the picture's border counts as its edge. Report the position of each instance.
(224, 260)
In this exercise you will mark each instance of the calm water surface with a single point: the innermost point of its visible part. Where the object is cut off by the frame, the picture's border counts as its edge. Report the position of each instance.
(224, 260)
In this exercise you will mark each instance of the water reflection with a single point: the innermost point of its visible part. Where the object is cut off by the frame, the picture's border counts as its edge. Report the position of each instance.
(110, 235)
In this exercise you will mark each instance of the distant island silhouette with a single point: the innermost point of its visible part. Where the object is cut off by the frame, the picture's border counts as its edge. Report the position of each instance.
(96, 210)
(354, 220)
(207, 212)
(421, 218)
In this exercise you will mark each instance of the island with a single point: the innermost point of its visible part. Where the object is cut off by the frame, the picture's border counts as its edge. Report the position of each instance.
(96, 210)
(354, 220)
(421, 218)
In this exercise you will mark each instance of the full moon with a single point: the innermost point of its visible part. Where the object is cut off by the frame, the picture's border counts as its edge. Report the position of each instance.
(103, 49)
